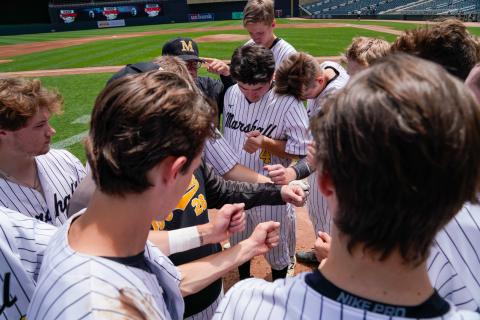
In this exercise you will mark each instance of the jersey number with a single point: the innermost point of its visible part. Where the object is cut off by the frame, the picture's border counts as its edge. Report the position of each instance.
(266, 157)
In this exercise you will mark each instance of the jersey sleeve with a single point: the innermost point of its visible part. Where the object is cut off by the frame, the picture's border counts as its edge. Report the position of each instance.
(22, 244)
(454, 260)
(296, 129)
(75, 164)
(219, 154)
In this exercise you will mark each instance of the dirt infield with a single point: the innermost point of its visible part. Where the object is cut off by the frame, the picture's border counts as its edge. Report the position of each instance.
(106, 69)
(223, 38)
(26, 48)
(260, 267)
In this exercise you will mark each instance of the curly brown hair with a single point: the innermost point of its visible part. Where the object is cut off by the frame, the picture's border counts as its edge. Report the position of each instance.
(21, 99)
(447, 43)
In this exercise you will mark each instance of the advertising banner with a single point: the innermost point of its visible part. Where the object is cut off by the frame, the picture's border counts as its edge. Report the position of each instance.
(201, 17)
(237, 15)
(111, 23)
(110, 13)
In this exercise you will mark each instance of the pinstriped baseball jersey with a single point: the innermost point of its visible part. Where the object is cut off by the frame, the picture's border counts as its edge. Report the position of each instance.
(22, 243)
(338, 82)
(73, 285)
(277, 117)
(295, 298)
(281, 50)
(219, 154)
(316, 203)
(454, 262)
(60, 172)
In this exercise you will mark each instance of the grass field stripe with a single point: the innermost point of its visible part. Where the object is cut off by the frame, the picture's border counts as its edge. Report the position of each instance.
(62, 144)
(82, 120)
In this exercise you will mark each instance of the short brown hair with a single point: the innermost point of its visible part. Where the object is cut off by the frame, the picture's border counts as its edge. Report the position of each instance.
(138, 121)
(252, 64)
(296, 73)
(259, 11)
(366, 51)
(400, 143)
(174, 64)
(21, 99)
(447, 43)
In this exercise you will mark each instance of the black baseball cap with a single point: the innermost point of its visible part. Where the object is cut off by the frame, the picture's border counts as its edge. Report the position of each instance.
(184, 48)
(135, 68)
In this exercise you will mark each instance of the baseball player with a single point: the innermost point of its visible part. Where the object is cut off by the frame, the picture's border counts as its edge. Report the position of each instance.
(315, 82)
(448, 43)
(34, 180)
(386, 147)
(99, 264)
(254, 116)
(259, 21)
(363, 52)
(22, 243)
(454, 260)
(206, 190)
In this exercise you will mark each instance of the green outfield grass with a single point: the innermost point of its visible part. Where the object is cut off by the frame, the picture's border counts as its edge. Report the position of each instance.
(318, 42)
(6, 40)
(80, 91)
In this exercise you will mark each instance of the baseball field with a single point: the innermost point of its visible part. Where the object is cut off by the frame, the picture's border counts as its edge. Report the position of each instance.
(79, 63)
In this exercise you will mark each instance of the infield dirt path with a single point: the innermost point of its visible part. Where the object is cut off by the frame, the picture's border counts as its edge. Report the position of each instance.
(9, 51)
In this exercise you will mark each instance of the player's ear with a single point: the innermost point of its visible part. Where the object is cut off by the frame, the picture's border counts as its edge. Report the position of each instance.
(168, 169)
(3, 132)
(274, 23)
(325, 183)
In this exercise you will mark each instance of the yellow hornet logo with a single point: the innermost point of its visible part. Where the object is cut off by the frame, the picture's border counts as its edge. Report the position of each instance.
(186, 198)
(187, 46)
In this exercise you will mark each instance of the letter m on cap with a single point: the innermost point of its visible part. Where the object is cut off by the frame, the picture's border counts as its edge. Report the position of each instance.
(187, 46)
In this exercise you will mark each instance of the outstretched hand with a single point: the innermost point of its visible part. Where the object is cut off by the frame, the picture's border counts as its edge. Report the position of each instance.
(253, 142)
(279, 174)
(294, 194)
(265, 237)
(217, 66)
(228, 220)
(322, 245)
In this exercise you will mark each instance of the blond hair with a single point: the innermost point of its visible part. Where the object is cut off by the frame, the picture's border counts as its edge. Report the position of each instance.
(366, 51)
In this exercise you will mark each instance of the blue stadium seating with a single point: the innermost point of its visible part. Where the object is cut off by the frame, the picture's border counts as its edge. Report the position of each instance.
(342, 7)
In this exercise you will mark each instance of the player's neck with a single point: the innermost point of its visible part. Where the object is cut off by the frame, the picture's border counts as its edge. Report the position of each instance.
(112, 226)
(16, 165)
(389, 281)
(269, 44)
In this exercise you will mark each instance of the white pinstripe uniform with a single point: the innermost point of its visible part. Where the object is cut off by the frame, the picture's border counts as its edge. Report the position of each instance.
(72, 285)
(60, 172)
(294, 298)
(281, 50)
(277, 117)
(219, 155)
(316, 203)
(22, 243)
(454, 262)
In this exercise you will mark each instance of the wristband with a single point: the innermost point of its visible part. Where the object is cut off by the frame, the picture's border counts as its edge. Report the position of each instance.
(302, 169)
(183, 239)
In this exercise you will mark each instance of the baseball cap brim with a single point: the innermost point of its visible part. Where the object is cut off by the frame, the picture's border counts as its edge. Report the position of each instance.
(190, 57)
